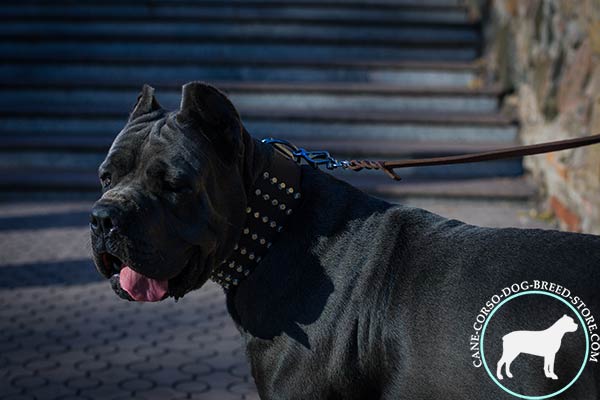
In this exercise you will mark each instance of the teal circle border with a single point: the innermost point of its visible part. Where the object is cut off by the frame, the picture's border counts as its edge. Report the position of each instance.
(587, 345)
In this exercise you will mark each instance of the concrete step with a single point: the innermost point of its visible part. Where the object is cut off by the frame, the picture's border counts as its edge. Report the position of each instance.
(292, 124)
(346, 149)
(31, 151)
(349, 97)
(406, 126)
(374, 12)
(24, 160)
(394, 3)
(73, 69)
(257, 49)
(45, 180)
(276, 31)
(259, 3)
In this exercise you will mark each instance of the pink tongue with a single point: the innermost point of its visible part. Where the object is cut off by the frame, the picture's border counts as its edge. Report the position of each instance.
(141, 288)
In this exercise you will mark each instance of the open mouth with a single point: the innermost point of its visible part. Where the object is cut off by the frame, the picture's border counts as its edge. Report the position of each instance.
(130, 283)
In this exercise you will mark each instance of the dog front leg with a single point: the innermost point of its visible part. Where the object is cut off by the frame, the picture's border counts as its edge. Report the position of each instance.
(549, 366)
(499, 369)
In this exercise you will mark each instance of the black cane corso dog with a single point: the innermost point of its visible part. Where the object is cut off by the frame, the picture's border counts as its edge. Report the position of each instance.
(337, 294)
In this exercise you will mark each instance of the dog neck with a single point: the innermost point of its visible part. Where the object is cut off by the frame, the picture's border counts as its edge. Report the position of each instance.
(272, 198)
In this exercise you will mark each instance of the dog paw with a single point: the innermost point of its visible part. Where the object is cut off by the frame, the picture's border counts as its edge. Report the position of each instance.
(500, 377)
(554, 377)
(509, 374)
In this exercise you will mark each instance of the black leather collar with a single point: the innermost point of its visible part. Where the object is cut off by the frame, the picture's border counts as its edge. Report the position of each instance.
(275, 196)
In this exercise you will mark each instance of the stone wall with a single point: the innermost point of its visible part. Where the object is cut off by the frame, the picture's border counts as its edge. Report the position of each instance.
(546, 54)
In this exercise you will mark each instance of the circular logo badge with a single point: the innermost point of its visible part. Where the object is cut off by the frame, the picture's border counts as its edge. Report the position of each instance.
(534, 345)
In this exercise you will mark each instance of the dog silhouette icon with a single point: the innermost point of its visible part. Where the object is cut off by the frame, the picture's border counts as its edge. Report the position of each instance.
(544, 343)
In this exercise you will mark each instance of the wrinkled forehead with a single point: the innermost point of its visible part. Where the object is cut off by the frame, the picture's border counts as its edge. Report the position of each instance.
(156, 145)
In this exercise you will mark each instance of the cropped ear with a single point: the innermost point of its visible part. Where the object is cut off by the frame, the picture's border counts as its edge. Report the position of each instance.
(146, 103)
(206, 108)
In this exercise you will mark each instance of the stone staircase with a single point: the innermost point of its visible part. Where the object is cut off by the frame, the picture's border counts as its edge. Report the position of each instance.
(381, 79)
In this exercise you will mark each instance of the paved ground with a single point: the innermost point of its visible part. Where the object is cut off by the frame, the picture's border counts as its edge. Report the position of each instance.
(64, 335)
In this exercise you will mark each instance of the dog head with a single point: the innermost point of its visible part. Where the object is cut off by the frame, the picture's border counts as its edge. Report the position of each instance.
(172, 193)
(567, 323)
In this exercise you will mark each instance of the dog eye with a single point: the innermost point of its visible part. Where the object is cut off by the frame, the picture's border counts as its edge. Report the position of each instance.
(105, 181)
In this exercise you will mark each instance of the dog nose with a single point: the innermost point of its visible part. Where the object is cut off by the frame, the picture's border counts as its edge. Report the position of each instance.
(102, 218)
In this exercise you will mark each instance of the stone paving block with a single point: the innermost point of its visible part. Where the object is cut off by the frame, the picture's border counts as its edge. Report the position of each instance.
(61, 335)
(70, 358)
(193, 387)
(219, 379)
(18, 396)
(113, 376)
(60, 374)
(137, 385)
(6, 390)
(124, 357)
(83, 342)
(8, 346)
(241, 387)
(156, 336)
(141, 368)
(202, 353)
(218, 314)
(19, 329)
(53, 348)
(92, 366)
(73, 397)
(108, 390)
(51, 391)
(150, 351)
(184, 343)
(20, 355)
(109, 335)
(98, 350)
(240, 352)
(28, 381)
(233, 346)
(12, 371)
(217, 394)
(41, 364)
(197, 368)
(205, 339)
(224, 362)
(83, 382)
(161, 393)
(229, 331)
(169, 360)
(207, 326)
(251, 396)
(159, 323)
(30, 345)
(240, 370)
(167, 377)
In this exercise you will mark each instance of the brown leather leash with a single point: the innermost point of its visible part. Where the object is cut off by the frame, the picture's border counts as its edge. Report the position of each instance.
(510, 152)
(317, 158)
